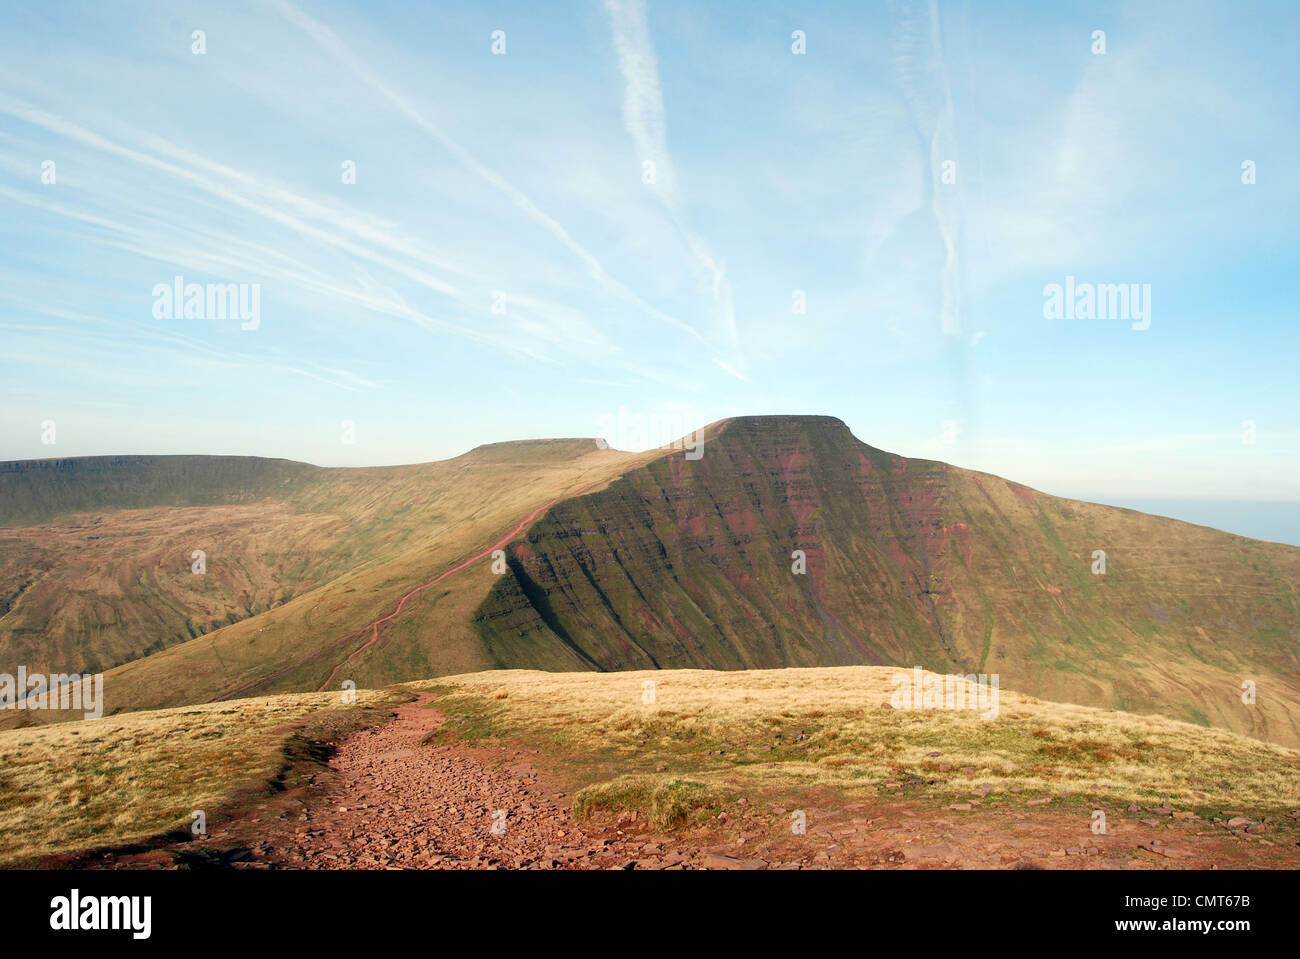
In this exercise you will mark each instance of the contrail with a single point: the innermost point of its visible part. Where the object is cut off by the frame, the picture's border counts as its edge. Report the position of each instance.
(331, 43)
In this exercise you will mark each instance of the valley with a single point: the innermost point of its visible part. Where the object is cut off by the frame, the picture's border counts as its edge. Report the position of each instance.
(789, 543)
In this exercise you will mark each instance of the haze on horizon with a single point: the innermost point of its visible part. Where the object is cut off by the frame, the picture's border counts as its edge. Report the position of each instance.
(501, 268)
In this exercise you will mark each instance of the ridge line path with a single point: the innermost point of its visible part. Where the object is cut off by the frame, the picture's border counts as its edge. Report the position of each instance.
(501, 543)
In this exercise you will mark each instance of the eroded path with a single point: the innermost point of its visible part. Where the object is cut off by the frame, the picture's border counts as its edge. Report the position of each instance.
(374, 628)
(397, 803)
(389, 801)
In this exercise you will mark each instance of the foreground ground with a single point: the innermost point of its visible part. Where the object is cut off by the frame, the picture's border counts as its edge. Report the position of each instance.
(776, 769)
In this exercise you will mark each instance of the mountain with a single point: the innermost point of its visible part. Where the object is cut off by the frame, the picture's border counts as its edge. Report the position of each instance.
(618, 561)
(97, 554)
(909, 562)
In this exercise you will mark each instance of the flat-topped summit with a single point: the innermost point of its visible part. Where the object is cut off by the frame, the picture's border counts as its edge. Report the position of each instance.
(784, 421)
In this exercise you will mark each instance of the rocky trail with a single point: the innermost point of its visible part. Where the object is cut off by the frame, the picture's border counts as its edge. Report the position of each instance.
(389, 802)
(397, 803)
(375, 628)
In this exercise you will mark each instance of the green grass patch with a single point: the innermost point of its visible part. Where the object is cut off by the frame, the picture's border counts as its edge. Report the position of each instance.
(664, 802)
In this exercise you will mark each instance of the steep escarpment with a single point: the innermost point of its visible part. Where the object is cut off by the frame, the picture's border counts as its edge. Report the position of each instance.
(372, 576)
(788, 542)
(137, 555)
(791, 543)
(692, 562)
(33, 491)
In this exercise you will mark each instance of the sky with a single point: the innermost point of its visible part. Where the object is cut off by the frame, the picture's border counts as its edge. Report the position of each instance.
(474, 222)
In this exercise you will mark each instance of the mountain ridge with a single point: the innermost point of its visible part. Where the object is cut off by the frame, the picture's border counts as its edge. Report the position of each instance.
(645, 560)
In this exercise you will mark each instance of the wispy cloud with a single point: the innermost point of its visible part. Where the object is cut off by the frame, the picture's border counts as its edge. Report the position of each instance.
(325, 224)
(330, 42)
(922, 76)
(499, 244)
(647, 124)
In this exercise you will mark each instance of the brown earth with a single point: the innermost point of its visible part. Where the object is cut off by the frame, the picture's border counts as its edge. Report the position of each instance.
(388, 801)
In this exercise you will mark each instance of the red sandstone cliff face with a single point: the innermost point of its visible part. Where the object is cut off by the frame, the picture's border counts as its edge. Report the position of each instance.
(693, 563)
(911, 562)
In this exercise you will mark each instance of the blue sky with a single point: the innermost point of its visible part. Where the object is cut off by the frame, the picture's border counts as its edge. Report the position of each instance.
(517, 179)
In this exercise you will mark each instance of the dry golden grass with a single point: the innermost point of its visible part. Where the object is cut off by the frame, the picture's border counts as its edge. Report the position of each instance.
(117, 780)
(94, 590)
(824, 727)
(708, 735)
(444, 513)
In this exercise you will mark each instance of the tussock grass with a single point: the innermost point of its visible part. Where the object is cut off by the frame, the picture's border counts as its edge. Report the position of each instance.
(825, 727)
(119, 780)
(665, 802)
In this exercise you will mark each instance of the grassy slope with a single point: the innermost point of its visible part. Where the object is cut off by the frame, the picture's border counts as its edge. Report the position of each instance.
(912, 562)
(87, 590)
(108, 782)
(773, 732)
(652, 559)
(458, 506)
(708, 738)
(93, 589)
(95, 552)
